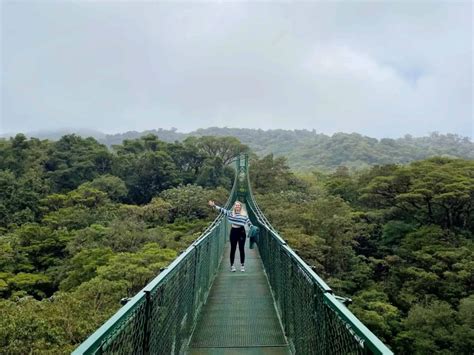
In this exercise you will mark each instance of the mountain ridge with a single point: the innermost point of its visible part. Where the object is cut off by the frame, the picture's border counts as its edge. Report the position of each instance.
(307, 149)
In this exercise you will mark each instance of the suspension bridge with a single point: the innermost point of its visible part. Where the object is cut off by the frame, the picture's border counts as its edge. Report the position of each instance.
(197, 307)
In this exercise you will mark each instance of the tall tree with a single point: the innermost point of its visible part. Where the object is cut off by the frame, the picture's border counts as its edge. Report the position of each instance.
(226, 148)
(74, 160)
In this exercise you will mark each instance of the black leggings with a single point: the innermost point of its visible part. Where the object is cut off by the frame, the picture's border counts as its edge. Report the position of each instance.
(237, 235)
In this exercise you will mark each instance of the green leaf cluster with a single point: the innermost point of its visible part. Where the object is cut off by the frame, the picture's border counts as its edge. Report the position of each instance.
(398, 240)
(83, 226)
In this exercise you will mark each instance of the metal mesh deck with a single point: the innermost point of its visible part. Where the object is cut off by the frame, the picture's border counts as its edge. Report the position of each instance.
(239, 316)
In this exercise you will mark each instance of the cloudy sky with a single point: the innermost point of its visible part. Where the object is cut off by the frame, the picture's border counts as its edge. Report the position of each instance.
(380, 68)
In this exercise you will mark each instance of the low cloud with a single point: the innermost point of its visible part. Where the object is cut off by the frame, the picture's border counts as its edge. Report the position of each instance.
(381, 69)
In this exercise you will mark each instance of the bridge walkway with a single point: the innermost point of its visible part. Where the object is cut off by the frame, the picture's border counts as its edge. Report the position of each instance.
(239, 316)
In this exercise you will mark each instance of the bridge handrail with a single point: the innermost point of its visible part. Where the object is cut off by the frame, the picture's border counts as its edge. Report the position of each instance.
(160, 319)
(94, 343)
(361, 332)
(264, 222)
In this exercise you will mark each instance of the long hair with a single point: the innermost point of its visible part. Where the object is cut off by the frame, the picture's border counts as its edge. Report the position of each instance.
(243, 210)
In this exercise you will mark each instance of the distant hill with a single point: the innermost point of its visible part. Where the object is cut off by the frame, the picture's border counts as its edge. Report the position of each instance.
(169, 136)
(309, 150)
(57, 134)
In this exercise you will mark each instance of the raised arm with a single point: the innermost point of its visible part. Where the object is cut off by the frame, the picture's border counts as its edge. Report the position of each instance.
(223, 210)
(220, 209)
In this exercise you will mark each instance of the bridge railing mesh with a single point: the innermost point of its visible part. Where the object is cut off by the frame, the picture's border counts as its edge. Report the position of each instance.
(314, 321)
(161, 317)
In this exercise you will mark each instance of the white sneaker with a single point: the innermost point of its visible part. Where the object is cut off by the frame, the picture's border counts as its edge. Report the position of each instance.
(232, 268)
(242, 268)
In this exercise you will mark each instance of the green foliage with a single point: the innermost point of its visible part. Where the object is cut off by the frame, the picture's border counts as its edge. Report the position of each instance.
(395, 231)
(19, 198)
(147, 174)
(372, 306)
(322, 222)
(70, 248)
(37, 247)
(83, 266)
(125, 235)
(137, 269)
(82, 226)
(397, 239)
(34, 284)
(465, 331)
(435, 191)
(90, 237)
(432, 329)
(204, 160)
(214, 173)
(178, 235)
(21, 156)
(113, 186)
(307, 150)
(149, 166)
(272, 174)
(225, 148)
(189, 202)
(157, 212)
(58, 324)
(341, 184)
(74, 160)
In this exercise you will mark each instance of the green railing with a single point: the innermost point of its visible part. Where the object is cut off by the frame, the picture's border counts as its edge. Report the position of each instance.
(315, 322)
(161, 317)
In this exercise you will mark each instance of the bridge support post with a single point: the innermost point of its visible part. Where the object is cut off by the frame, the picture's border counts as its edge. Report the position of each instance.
(320, 320)
(242, 170)
(195, 293)
(146, 326)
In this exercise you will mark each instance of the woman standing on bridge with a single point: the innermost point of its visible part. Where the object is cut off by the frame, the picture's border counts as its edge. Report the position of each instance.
(237, 216)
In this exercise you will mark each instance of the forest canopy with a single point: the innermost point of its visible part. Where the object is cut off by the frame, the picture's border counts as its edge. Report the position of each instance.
(83, 225)
(398, 240)
(307, 150)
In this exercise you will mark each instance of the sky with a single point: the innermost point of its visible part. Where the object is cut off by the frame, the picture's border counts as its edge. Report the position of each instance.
(379, 68)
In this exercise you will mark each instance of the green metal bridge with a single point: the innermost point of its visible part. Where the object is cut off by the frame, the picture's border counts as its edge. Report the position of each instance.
(196, 306)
